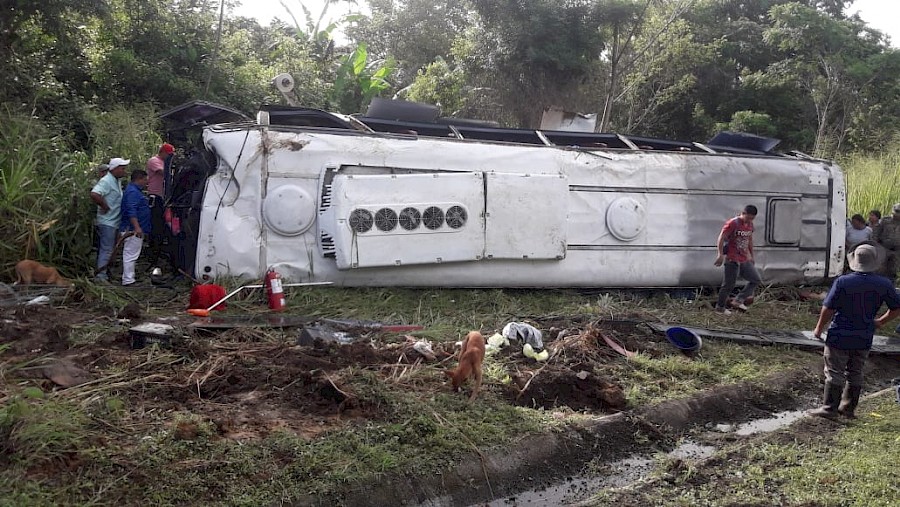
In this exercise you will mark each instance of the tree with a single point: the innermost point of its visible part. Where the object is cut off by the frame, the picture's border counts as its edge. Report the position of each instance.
(414, 32)
(531, 55)
(622, 22)
(830, 62)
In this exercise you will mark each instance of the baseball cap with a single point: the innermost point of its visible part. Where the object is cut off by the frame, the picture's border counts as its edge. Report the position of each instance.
(102, 168)
(116, 162)
(167, 148)
(897, 208)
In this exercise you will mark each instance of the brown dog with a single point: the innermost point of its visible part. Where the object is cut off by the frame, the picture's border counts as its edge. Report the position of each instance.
(470, 358)
(29, 271)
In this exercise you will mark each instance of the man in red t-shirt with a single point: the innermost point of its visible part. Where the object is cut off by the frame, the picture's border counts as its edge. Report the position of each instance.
(156, 186)
(735, 250)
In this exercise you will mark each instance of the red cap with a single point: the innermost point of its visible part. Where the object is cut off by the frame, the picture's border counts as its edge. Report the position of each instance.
(167, 148)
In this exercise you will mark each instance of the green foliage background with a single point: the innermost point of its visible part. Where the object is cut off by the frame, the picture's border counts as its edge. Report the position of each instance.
(84, 80)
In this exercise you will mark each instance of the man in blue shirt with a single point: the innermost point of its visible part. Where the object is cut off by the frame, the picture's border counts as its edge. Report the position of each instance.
(136, 220)
(851, 307)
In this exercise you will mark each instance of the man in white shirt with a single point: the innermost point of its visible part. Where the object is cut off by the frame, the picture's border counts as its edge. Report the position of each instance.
(857, 232)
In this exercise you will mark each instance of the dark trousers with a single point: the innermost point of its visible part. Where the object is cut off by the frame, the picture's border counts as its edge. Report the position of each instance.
(844, 366)
(748, 272)
(158, 228)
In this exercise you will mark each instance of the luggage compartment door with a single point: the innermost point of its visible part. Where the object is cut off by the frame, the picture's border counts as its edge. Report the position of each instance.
(526, 216)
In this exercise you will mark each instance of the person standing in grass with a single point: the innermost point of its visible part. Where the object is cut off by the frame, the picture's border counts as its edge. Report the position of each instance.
(857, 232)
(849, 311)
(156, 169)
(135, 219)
(887, 234)
(735, 250)
(107, 195)
(874, 218)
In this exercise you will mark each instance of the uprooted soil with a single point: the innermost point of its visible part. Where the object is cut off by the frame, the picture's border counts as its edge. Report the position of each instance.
(248, 386)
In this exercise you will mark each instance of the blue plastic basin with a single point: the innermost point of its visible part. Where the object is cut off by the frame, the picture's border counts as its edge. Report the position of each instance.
(684, 339)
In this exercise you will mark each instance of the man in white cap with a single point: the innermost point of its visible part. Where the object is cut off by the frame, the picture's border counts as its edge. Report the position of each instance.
(851, 308)
(107, 195)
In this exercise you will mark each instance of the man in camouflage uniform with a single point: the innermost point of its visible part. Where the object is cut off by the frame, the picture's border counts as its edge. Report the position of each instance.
(887, 234)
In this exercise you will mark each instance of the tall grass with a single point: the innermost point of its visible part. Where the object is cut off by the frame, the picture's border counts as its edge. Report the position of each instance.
(130, 133)
(45, 209)
(873, 181)
(40, 218)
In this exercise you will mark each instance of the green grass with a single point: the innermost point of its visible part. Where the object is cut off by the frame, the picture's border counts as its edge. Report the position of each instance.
(805, 465)
(424, 435)
(124, 454)
(873, 182)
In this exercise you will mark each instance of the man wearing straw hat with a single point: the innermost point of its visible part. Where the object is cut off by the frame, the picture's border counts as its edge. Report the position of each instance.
(851, 308)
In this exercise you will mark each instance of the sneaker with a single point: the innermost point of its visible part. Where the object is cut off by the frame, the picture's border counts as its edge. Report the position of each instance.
(739, 306)
(723, 311)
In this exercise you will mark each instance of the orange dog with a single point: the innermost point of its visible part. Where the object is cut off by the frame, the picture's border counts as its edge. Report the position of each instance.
(470, 358)
(28, 272)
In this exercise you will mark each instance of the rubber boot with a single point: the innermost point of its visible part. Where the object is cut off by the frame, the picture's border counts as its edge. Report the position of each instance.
(832, 398)
(849, 401)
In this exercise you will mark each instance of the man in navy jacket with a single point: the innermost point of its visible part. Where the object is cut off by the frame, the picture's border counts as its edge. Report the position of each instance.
(851, 308)
(136, 220)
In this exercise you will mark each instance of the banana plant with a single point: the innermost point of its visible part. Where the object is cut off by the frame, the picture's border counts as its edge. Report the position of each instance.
(357, 80)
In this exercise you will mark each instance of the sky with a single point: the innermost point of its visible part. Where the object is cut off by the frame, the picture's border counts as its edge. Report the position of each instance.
(882, 15)
(264, 10)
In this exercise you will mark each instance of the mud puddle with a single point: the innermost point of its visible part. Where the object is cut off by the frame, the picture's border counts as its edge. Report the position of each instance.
(765, 425)
(636, 467)
(617, 474)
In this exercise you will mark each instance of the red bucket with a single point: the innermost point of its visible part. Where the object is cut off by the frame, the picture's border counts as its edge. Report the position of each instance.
(204, 296)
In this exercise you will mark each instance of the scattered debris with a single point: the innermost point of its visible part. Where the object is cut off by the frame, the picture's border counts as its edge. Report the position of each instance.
(64, 373)
(615, 345)
(11, 295)
(525, 333)
(684, 339)
(880, 345)
(131, 311)
(260, 321)
(40, 300)
(423, 347)
(151, 333)
(309, 335)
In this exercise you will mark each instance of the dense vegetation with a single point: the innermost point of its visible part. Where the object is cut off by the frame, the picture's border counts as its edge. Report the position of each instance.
(84, 79)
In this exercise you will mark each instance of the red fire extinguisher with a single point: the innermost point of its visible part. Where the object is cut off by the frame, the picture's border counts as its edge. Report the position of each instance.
(274, 290)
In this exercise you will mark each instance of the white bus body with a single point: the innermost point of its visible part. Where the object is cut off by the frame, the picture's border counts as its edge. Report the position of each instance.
(381, 209)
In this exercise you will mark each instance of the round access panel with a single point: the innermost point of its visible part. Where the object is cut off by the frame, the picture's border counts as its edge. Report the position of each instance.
(289, 210)
(626, 218)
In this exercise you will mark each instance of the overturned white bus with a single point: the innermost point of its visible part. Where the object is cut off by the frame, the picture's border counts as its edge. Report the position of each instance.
(377, 201)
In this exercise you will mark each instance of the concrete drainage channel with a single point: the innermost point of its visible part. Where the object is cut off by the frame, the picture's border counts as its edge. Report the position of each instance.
(619, 449)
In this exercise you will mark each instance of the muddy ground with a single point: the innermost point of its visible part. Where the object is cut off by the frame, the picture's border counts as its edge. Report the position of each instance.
(249, 383)
(249, 386)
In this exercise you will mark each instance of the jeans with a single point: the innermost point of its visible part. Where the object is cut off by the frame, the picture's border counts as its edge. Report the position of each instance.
(844, 366)
(748, 272)
(106, 241)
